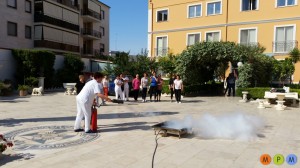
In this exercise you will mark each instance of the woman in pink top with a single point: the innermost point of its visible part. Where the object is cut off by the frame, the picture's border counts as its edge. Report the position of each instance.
(136, 87)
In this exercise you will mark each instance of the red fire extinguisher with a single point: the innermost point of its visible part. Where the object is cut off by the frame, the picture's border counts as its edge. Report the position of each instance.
(93, 125)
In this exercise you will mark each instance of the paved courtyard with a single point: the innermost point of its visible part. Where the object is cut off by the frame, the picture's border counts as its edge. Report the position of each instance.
(42, 130)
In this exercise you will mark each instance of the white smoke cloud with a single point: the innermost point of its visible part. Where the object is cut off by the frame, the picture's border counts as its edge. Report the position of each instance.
(230, 126)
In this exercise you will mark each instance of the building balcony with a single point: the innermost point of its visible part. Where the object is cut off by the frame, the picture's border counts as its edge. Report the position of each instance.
(89, 52)
(249, 44)
(284, 46)
(57, 22)
(90, 16)
(161, 52)
(72, 4)
(55, 45)
(69, 3)
(90, 34)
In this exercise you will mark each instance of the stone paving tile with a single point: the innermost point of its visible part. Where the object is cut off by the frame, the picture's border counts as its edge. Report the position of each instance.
(127, 140)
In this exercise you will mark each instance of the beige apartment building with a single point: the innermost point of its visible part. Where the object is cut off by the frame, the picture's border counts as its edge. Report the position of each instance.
(62, 26)
(173, 25)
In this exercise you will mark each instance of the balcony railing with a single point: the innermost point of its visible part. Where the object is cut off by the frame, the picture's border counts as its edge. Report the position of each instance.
(91, 32)
(55, 45)
(69, 3)
(161, 51)
(284, 46)
(57, 22)
(91, 13)
(89, 51)
(249, 44)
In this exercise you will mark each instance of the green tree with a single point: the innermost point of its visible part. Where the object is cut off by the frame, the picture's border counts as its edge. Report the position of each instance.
(72, 68)
(167, 63)
(200, 62)
(295, 55)
(262, 67)
(34, 63)
(205, 61)
(121, 63)
(245, 75)
(283, 69)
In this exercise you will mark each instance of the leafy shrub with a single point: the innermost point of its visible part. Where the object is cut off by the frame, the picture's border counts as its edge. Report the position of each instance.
(6, 87)
(212, 89)
(32, 81)
(71, 70)
(34, 63)
(165, 88)
(244, 76)
(23, 87)
(294, 86)
(254, 93)
(295, 90)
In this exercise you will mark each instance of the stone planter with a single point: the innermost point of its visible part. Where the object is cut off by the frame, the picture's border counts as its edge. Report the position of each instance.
(23, 92)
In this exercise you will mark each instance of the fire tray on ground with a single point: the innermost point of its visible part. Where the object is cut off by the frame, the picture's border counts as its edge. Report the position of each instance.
(165, 130)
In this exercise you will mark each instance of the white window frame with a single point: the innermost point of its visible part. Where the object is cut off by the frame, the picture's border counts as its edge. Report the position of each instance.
(248, 28)
(241, 6)
(155, 52)
(276, 6)
(187, 37)
(30, 3)
(158, 10)
(214, 31)
(188, 11)
(274, 36)
(221, 11)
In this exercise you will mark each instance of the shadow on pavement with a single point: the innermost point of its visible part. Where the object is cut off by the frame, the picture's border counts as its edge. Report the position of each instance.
(15, 157)
(125, 126)
(11, 122)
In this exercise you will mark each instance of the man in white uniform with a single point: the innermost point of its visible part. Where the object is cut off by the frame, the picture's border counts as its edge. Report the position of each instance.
(85, 101)
(126, 89)
(118, 90)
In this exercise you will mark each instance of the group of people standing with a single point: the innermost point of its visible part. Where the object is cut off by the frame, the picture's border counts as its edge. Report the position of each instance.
(122, 87)
(104, 85)
(154, 85)
(98, 85)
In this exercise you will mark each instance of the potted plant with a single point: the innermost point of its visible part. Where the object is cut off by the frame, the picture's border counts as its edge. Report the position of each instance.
(4, 144)
(23, 90)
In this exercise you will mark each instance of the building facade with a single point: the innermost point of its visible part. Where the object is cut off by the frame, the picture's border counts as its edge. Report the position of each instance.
(176, 24)
(63, 26)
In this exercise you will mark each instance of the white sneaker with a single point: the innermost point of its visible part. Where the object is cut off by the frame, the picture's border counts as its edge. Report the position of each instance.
(180, 102)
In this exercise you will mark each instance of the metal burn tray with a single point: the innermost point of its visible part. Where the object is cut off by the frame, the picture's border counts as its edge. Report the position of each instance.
(165, 130)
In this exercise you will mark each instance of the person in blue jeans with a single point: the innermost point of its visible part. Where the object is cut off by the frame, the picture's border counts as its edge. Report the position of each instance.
(153, 86)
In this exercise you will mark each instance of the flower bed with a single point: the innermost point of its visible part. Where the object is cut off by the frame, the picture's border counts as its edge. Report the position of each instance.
(4, 143)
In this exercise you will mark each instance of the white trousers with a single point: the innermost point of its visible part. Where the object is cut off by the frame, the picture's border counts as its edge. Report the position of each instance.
(83, 109)
(126, 93)
(118, 92)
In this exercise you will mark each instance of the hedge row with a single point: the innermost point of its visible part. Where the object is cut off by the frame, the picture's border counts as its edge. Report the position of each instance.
(198, 90)
(258, 92)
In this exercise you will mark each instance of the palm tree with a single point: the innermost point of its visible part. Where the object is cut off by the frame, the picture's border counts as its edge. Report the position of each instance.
(295, 56)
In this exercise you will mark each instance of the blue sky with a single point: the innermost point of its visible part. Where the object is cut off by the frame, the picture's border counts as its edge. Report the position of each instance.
(128, 25)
